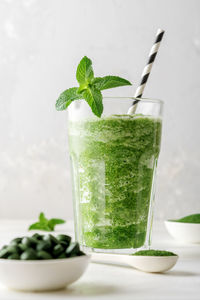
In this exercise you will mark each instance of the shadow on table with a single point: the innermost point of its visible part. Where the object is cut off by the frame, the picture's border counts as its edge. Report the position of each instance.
(180, 273)
(88, 289)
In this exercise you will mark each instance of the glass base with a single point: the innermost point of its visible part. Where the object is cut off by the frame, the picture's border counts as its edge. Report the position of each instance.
(90, 250)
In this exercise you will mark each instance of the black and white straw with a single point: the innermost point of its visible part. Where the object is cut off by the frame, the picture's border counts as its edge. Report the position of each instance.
(147, 70)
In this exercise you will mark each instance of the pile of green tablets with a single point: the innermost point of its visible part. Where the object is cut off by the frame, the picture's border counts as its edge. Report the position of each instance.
(39, 246)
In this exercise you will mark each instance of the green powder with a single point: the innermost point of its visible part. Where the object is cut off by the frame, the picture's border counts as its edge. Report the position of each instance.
(195, 219)
(154, 253)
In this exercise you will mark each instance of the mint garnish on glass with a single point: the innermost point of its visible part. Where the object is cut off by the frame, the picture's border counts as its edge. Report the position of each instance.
(90, 88)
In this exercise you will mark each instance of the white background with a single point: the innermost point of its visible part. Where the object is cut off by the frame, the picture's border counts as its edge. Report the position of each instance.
(41, 43)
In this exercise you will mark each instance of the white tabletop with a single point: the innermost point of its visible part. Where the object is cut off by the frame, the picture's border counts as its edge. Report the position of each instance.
(103, 281)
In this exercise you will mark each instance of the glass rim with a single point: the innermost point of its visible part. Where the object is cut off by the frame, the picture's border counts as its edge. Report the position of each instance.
(154, 100)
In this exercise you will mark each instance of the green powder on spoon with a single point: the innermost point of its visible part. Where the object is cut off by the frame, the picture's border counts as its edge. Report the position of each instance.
(154, 253)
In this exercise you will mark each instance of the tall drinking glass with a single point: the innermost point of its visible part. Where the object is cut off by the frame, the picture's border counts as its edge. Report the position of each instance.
(113, 163)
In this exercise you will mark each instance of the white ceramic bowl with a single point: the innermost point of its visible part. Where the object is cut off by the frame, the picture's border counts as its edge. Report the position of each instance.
(185, 232)
(41, 275)
(153, 264)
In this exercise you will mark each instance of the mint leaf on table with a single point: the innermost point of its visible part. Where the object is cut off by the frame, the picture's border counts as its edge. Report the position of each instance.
(53, 222)
(89, 88)
(39, 226)
(42, 218)
(108, 82)
(45, 224)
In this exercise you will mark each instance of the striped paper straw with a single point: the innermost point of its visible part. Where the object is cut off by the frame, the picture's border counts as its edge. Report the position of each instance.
(147, 70)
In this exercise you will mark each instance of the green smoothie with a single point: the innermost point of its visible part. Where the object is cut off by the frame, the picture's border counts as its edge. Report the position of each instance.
(113, 162)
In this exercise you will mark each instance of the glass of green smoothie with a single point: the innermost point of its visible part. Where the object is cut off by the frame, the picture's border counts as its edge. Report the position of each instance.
(113, 162)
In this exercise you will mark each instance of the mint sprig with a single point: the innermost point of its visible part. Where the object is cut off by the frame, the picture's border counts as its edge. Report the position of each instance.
(90, 88)
(45, 224)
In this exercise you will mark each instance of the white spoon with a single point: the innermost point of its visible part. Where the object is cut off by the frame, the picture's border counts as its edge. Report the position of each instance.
(150, 264)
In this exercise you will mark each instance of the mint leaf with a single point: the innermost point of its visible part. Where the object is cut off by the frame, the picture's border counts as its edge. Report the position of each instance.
(84, 73)
(42, 218)
(39, 226)
(56, 221)
(53, 222)
(94, 98)
(89, 88)
(108, 82)
(45, 224)
(67, 97)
